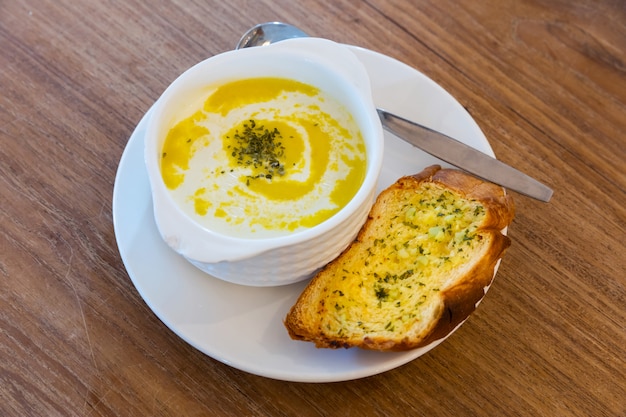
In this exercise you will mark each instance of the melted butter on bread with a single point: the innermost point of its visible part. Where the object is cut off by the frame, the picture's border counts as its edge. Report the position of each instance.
(416, 270)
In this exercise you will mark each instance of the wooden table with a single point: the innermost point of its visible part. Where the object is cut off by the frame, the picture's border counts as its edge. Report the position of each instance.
(546, 82)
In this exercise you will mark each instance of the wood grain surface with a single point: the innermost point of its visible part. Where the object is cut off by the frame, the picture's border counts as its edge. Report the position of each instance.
(544, 79)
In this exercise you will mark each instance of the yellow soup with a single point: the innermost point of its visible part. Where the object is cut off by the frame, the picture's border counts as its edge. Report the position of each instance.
(264, 157)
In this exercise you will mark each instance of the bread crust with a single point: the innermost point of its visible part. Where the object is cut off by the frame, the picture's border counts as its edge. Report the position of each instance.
(458, 299)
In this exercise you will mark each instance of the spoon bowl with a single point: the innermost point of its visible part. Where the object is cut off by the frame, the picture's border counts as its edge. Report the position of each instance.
(270, 32)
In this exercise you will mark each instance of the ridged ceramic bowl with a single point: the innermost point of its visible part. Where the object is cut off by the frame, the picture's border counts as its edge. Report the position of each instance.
(268, 261)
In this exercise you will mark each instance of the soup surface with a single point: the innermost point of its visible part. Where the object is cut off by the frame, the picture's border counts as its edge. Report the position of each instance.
(263, 157)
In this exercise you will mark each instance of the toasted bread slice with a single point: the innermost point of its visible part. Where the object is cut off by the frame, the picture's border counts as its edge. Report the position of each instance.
(417, 269)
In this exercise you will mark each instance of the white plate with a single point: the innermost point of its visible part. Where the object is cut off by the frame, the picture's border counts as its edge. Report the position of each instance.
(243, 326)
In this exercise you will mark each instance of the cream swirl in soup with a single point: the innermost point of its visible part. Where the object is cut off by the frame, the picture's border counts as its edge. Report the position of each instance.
(264, 157)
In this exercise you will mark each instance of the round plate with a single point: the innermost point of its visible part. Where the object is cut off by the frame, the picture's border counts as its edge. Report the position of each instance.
(243, 326)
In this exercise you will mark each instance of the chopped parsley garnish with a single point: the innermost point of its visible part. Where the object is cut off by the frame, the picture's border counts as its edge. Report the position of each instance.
(259, 148)
(382, 293)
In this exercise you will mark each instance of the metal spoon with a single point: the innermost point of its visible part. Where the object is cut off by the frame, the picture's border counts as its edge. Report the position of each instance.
(435, 143)
(270, 32)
